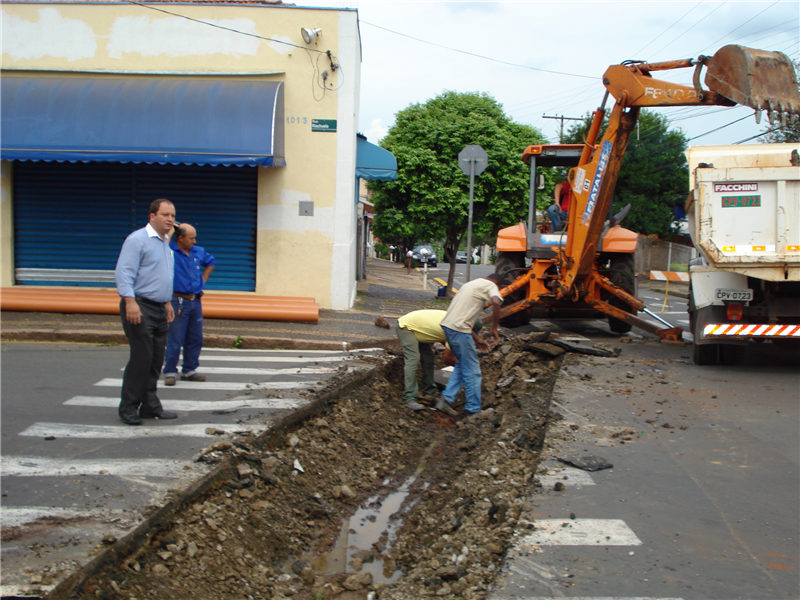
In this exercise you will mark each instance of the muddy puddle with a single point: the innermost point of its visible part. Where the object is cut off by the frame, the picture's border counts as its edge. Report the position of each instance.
(367, 536)
(353, 497)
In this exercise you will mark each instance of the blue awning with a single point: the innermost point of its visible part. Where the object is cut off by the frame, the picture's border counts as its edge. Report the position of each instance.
(373, 162)
(176, 120)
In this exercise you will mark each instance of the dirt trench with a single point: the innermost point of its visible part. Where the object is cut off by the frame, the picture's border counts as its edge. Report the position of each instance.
(429, 501)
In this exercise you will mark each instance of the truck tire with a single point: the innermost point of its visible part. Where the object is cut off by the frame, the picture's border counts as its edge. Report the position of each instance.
(506, 262)
(705, 354)
(731, 354)
(622, 273)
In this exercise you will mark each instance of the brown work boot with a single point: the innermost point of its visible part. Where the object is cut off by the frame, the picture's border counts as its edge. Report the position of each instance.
(443, 406)
(414, 405)
(193, 377)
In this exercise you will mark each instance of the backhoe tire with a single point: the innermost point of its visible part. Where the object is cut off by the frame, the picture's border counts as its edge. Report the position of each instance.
(622, 273)
(504, 269)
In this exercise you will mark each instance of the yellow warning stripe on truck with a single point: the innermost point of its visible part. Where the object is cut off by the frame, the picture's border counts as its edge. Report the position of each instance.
(753, 331)
(747, 249)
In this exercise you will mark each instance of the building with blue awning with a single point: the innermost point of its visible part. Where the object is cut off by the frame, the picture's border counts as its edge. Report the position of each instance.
(177, 120)
(373, 163)
(108, 106)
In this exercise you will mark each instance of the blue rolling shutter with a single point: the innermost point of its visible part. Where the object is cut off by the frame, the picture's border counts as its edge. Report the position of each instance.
(221, 203)
(70, 219)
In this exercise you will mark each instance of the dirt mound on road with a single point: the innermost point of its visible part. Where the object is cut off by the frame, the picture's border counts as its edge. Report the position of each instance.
(364, 499)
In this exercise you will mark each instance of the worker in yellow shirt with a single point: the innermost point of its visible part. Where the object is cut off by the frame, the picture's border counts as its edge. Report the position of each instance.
(418, 331)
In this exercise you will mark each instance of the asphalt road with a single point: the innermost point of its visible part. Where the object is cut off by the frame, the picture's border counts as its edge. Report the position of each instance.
(702, 499)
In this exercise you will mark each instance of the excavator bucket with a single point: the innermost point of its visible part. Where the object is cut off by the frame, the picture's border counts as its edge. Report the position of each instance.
(759, 79)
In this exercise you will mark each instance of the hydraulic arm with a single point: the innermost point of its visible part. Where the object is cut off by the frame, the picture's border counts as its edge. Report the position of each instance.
(734, 75)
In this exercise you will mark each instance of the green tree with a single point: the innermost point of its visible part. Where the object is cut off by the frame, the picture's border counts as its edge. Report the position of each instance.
(430, 198)
(654, 173)
(777, 133)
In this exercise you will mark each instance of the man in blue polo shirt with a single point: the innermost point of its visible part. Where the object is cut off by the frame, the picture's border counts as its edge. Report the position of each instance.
(193, 265)
(144, 282)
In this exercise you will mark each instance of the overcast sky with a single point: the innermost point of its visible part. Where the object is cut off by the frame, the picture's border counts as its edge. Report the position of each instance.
(415, 50)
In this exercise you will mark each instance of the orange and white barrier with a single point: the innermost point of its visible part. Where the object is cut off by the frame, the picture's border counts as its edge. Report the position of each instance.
(752, 331)
(669, 276)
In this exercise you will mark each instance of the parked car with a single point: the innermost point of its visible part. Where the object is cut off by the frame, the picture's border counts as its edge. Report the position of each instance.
(430, 254)
(461, 257)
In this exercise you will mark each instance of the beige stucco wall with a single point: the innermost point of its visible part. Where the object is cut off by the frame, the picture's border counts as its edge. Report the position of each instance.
(6, 226)
(296, 256)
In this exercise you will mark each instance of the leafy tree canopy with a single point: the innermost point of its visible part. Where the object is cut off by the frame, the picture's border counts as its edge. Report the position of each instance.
(654, 173)
(430, 198)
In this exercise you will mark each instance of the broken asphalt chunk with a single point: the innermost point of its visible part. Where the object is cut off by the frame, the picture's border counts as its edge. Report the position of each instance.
(586, 463)
(505, 381)
(579, 349)
(548, 349)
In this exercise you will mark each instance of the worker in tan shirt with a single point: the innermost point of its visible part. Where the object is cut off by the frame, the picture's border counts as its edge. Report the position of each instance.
(457, 326)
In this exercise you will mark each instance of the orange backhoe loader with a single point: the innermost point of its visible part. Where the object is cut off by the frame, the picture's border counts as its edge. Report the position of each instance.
(588, 268)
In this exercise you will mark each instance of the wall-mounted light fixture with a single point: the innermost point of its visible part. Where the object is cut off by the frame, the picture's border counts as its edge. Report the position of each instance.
(309, 35)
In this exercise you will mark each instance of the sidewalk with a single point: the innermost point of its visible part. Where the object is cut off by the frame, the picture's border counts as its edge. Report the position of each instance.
(388, 291)
(679, 289)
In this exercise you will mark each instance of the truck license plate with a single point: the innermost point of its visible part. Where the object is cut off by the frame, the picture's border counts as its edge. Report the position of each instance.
(735, 295)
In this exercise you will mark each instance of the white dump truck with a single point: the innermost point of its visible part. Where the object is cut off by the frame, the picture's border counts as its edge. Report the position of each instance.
(744, 218)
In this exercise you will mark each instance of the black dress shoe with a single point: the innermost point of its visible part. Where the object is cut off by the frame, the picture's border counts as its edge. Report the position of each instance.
(164, 414)
(131, 419)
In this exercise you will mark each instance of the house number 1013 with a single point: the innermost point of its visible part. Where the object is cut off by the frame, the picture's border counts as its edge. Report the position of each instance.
(303, 120)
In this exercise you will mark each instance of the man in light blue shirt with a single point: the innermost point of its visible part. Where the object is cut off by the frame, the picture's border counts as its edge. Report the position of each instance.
(144, 282)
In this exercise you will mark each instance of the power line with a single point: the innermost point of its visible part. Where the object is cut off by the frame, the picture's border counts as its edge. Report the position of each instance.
(714, 45)
(246, 33)
(562, 118)
(668, 28)
(502, 62)
(693, 26)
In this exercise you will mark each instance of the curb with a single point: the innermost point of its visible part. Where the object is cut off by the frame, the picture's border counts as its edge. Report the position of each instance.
(210, 341)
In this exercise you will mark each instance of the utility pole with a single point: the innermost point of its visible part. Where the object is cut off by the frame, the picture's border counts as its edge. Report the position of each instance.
(562, 118)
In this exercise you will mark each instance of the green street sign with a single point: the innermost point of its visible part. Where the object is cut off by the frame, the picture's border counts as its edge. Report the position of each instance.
(323, 125)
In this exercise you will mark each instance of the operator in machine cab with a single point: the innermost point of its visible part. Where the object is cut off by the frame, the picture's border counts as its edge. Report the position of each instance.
(560, 207)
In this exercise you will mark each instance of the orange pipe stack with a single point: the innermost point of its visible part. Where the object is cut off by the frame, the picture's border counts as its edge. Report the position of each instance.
(106, 302)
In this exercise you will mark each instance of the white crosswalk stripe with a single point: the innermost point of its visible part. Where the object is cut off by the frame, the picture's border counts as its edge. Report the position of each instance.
(40, 466)
(594, 598)
(581, 532)
(276, 359)
(567, 476)
(65, 430)
(339, 353)
(268, 372)
(222, 386)
(197, 405)
(14, 516)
